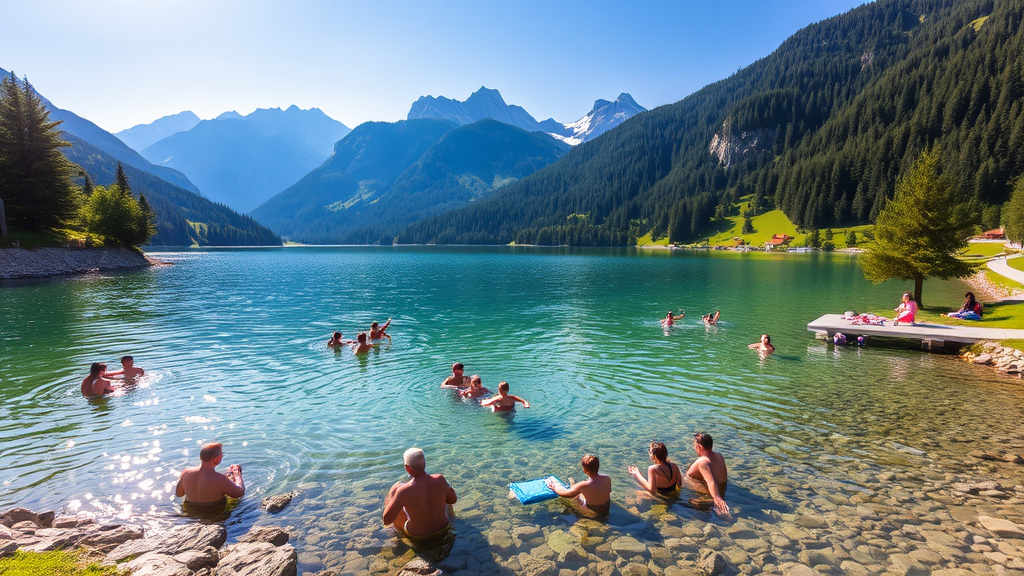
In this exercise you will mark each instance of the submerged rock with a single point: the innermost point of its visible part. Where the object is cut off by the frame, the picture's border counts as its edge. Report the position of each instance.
(275, 504)
(712, 562)
(269, 534)
(1002, 527)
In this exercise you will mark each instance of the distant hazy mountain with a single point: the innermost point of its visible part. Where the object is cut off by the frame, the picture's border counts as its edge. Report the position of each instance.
(143, 135)
(242, 161)
(487, 103)
(383, 177)
(605, 116)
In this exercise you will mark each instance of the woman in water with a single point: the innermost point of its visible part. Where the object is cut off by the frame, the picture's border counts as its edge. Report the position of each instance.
(663, 477)
(476, 388)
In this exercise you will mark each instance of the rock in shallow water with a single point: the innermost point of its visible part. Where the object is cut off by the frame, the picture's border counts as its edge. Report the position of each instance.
(275, 504)
(269, 534)
(712, 562)
(1001, 527)
(174, 541)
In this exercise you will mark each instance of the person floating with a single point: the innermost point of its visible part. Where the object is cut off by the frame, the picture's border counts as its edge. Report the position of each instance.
(476, 388)
(457, 379)
(96, 384)
(711, 319)
(378, 332)
(764, 346)
(593, 494)
(708, 471)
(421, 508)
(129, 372)
(204, 486)
(504, 402)
(336, 341)
(663, 477)
(361, 346)
(906, 311)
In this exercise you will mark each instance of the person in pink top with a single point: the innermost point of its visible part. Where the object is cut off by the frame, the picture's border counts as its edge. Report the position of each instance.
(906, 311)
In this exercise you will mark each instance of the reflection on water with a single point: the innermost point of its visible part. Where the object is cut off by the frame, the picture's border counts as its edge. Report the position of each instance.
(830, 450)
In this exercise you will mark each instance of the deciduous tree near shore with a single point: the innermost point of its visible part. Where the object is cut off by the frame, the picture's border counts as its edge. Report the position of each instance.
(921, 230)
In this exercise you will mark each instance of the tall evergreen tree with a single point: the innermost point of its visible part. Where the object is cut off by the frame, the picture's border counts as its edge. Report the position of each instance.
(121, 181)
(36, 179)
(922, 229)
(1013, 214)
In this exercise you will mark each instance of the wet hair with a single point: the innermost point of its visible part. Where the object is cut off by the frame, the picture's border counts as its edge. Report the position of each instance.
(361, 337)
(96, 368)
(502, 386)
(476, 379)
(374, 325)
(458, 366)
(659, 451)
(337, 334)
(590, 463)
(704, 440)
(211, 451)
(767, 338)
(127, 359)
(415, 459)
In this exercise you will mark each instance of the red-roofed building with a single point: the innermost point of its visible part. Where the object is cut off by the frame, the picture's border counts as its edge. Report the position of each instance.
(996, 234)
(779, 240)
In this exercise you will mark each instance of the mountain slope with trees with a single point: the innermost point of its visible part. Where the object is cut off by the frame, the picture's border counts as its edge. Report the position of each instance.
(383, 177)
(822, 128)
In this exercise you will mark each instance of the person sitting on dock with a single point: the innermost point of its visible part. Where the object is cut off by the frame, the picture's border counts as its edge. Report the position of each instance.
(377, 332)
(337, 342)
(708, 472)
(593, 495)
(421, 508)
(204, 486)
(906, 311)
(476, 388)
(711, 319)
(764, 346)
(95, 384)
(504, 402)
(457, 379)
(663, 477)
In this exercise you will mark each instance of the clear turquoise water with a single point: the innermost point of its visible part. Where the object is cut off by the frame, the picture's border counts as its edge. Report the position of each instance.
(234, 345)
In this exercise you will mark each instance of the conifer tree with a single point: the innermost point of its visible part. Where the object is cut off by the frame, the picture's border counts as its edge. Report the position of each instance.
(121, 180)
(1013, 214)
(147, 221)
(921, 230)
(851, 239)
(36, 179)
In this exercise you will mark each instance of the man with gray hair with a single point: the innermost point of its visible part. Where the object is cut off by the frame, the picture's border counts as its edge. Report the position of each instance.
(421, 508)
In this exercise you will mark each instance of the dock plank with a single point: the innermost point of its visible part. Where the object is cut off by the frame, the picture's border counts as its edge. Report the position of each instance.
(832, 323)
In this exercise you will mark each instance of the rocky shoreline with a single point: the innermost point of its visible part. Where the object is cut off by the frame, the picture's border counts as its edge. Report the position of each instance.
(45, 262)
(1005, 359)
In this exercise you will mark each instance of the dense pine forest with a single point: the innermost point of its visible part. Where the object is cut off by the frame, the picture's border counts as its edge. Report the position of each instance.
(822, 129)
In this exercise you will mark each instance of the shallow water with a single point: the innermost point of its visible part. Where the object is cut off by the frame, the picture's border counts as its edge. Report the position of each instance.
(850, 454)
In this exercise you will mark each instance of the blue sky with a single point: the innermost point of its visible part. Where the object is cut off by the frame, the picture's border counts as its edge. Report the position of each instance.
(126, 62)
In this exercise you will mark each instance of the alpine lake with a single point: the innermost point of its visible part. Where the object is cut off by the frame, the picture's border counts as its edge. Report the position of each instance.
(846, 460)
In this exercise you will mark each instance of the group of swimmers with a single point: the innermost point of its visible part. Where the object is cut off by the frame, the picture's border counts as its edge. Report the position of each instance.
(100, 382)
(364, 340)
(421, 508)
(472, 387)
(709, 319)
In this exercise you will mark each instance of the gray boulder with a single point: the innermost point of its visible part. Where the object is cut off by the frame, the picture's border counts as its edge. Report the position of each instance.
(153, 564)
(12, 517)
(712, 562)
(269, 534)
(258, 559)
(174, 541)
(275, 504)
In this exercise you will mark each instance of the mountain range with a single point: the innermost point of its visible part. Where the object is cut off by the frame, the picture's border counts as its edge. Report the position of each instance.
(384, 176)
(822, 129)
(183, 217)
(144, 135)
(241, 161)
(488, 103)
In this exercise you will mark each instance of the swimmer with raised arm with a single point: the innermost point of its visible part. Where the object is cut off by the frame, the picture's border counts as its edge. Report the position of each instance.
(475, 390)
(336, 341)
(764, 346)
(663, 477)
(669, 320)
(96, 384)
(711, 319)
(708, 472)
(457, 379)
(378, 332)
(504, 402)
(204, 486)
(593, 494)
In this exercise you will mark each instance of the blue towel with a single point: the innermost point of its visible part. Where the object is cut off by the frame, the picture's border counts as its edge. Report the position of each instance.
(533, 491)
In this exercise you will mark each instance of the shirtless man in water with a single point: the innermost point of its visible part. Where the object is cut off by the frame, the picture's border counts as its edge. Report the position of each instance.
(504, 402)
(361, 346)
(708, 471)
(764, 346)
(376, 333)
(128, 370)
(337, 342)
(593, 494)
(458, 379)
(95, 384)
(476, 388)
(421, 508)
(204, 486)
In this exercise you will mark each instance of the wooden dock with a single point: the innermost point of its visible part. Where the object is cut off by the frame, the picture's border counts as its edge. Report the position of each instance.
(930, 335)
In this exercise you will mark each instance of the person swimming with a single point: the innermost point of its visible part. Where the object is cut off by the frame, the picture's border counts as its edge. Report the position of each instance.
(95, 384)
(476, 388)
(457, 379)
(764, 346)
(376, 333)
(361, 346)
(708, 472)
(504, 402)
(337, 342)
(711, 319)
(593, 495)
(663, 477)
(669, 319)
(129, 372)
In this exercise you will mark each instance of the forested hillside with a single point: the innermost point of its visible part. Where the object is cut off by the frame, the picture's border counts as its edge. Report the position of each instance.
(821, 128)
(383, 177)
